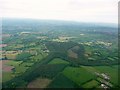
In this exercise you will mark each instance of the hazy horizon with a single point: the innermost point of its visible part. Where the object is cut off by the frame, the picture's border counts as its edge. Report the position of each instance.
(57, 20)
(99, 11)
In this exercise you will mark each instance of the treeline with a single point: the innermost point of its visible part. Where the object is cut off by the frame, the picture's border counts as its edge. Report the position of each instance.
(60, 46)
(42, 69)
(60, 51)
(39, 69)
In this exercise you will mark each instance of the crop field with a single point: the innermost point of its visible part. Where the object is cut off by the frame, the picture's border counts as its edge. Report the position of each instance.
(13, 63)
(111, 72)
(39, 83)
(58, 61)
(6, 76)
(91, 84)
(17, 66)
(20, 69)
(11, 56)
(7, 68)
(37, 58)
(72, 54)
(59, 54)
(61, 81)
(77, 74)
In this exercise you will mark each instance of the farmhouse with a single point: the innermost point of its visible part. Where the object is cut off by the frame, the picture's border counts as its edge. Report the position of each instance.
(104, 86)
(105, 76)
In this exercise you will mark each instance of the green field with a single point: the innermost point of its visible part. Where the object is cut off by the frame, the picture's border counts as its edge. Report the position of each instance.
(59, 54)
(27, 64)
(58, 61)
(112, 72)
(62, 81)
(11, 56)
(6, 76)
(78, 75)
(19, 67)
(91, 84)
(36, 58)
(13, 63)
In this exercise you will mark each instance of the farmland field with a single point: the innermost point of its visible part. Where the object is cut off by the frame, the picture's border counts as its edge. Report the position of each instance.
(59, 54)
(58, 61)
(7, 76)
(62, 81)
(39, 83)
(77, 74)
(13, 63)
(112, 72)
(91, 84)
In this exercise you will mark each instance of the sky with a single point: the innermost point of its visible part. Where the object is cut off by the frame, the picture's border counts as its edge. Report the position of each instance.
(71, 10)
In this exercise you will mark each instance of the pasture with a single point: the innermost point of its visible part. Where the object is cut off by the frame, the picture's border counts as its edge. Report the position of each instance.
(61, 81)
(78, 75)
(13, 63)
(6, 76)
(11, 55)
(19, 67)
(58, 61)
(111, 72)
(91, 84)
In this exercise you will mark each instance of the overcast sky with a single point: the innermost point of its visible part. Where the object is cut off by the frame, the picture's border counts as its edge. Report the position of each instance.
(73, 10)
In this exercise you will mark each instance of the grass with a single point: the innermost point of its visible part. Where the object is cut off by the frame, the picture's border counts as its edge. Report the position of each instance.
(19, 46)
(58, 61)
(37, 58)
(23, 67)
(27, 64)
(19, 68)
(116, 66)
(13, 63)
(112, 72)
(90, 69)
(11, 56)
(61, 81)
(6, 76)
(91, 84)
(78, 75)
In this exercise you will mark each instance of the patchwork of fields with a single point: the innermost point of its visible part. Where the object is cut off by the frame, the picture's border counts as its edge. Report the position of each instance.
(49, 54)
(82, 76)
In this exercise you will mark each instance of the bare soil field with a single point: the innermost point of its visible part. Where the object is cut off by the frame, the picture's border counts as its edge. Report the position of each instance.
(39, 83)
(5, 68)
(72, 54)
